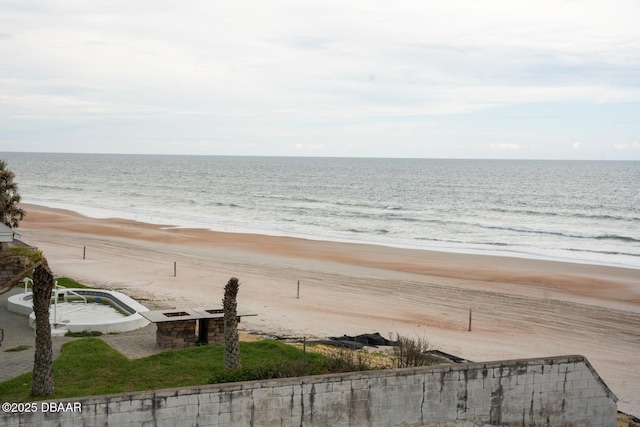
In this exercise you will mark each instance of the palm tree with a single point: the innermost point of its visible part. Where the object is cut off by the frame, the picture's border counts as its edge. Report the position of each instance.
(10, 212)
(42, 384)
(231, 341)
(25, 260)
(33, 260)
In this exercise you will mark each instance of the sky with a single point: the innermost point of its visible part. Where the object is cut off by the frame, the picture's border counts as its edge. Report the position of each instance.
(430, 79)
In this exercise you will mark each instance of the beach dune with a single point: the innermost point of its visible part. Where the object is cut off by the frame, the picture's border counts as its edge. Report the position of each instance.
(520, 307)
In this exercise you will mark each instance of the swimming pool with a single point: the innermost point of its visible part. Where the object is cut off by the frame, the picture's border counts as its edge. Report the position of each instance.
(80, 310)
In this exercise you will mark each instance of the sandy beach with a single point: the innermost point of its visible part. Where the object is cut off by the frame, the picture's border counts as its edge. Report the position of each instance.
(521, 307)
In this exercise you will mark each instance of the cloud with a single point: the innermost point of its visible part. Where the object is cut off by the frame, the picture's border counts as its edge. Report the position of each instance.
(505, 147)
(308, 147)
(627, 146)
(257, 72)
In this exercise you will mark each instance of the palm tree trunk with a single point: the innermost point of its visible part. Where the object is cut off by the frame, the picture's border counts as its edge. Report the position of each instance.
(42, 384)
(231, 341)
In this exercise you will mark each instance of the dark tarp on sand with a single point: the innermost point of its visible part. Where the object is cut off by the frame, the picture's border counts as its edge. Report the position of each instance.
(357, 342)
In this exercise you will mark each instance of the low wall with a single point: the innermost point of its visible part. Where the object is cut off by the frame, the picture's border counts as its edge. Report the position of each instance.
(559, 391)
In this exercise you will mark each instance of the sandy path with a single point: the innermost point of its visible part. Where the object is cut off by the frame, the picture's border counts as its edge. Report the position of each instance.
(521, 308)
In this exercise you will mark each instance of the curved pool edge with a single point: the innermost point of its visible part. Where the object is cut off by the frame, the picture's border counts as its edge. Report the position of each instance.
(21, 304)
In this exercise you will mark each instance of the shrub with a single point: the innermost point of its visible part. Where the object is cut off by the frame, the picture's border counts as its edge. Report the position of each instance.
(341, 359)
(264, 371)
(410, 352)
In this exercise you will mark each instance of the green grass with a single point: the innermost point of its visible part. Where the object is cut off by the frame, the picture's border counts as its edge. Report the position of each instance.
(83, 334)
(89, 366)
(70, 283)
(62, 281)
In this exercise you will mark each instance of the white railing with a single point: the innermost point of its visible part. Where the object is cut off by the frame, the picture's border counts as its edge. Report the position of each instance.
(26, 281)
(56, 291)
(55, 300)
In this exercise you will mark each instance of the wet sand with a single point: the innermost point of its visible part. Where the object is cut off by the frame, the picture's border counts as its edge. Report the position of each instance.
(520, 307)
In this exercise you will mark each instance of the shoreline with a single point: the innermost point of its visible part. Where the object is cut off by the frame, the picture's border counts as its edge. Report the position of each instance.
(167, 222)
(521, 307)
(467, 266)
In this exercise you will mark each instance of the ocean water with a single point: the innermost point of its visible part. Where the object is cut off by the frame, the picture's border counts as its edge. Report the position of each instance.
(581, 211)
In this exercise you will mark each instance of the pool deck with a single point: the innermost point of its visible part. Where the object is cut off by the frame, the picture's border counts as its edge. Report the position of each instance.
(17, 332)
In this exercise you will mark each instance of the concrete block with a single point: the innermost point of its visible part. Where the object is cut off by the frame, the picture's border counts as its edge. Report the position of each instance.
(508, 380)
(433, 396)
(441, 415)
(434, 385)
(475, 392)
(497, 372)
(336, 396)
(224, 407)
(481, 411)
(595, 384)
(162, 413)
(473, 384)
(412, 401)
(395, 402)
(479, 402)
(224, 418)
(182, 422)
(240, 418)
(262, 393)
(261, 405)
(451, 376)
(535, 368)
(609, 410)
(574, 375)
(544, 378)
(140, 416)
(176, 401)
(119, 418)
(209, 408)
(525, 379)
(283, 391)
(532, 389)
(412, 390)
(361, 383)
(323, 387)
(551, 368)
(578, 384)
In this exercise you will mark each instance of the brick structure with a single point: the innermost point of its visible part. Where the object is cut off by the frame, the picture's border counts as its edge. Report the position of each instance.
(10, 267)
(213, 330)
(176, 334)
(181, 328)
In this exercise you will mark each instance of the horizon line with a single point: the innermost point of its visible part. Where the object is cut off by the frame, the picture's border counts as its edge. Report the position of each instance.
(318, 157)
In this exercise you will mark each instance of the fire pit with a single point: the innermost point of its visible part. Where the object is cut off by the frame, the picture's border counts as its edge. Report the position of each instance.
(181, 328)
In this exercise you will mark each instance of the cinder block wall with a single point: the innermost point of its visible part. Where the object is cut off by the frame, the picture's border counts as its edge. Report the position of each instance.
(559, 391)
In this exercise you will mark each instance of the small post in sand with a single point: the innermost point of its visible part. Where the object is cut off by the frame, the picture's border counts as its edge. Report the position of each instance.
(174, 269)
(298, 294)
(84, 252)
(469, 320)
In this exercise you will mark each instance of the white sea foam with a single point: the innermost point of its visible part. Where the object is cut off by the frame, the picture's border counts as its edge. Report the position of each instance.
(566, 210)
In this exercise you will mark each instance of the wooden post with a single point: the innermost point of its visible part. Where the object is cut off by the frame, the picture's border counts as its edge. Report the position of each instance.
(304, 346)
(174, 269)
(84, 252)
(298, 294)
(469, 320)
